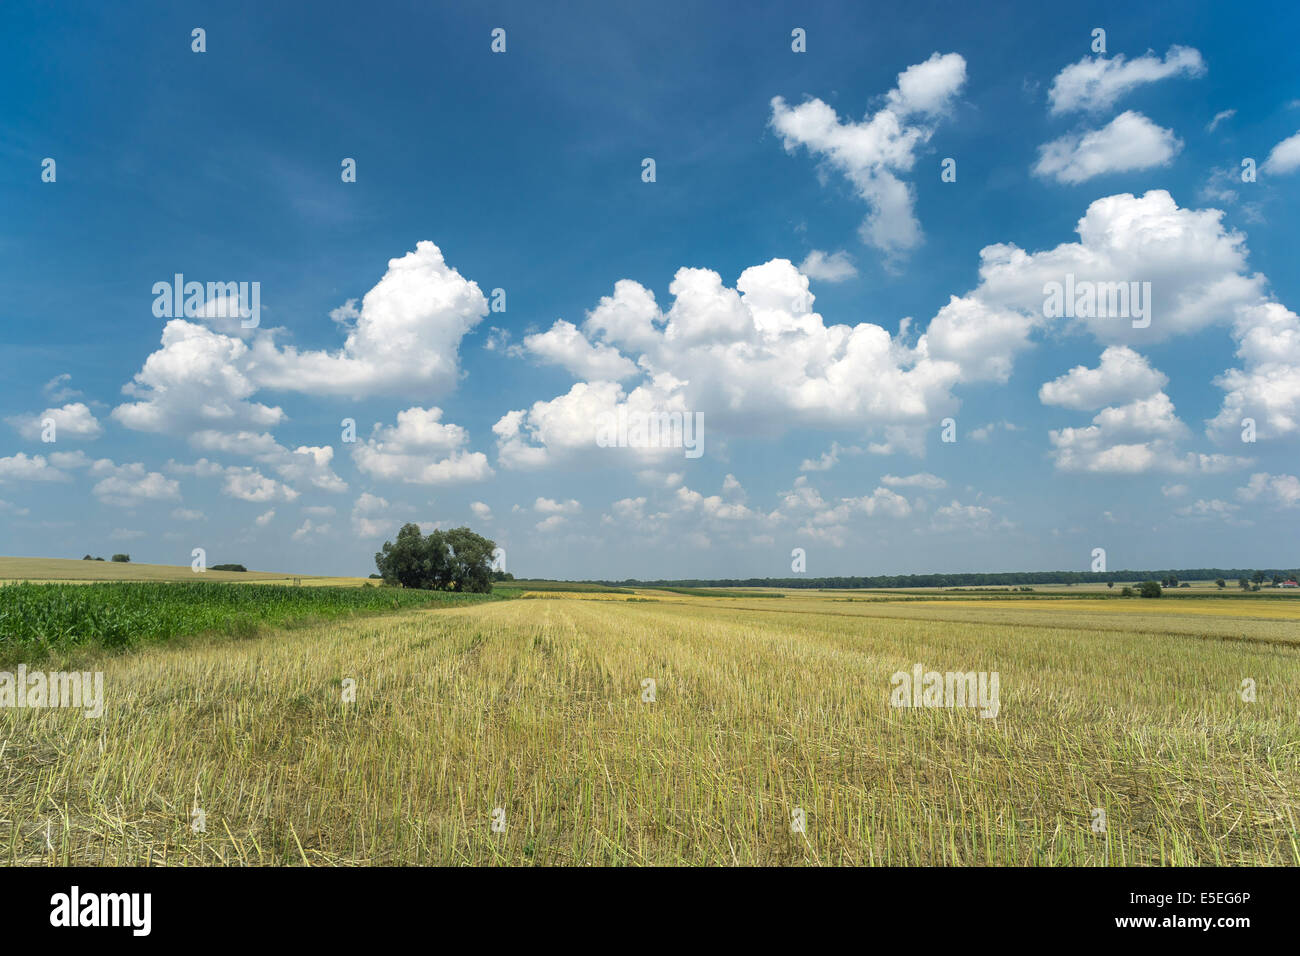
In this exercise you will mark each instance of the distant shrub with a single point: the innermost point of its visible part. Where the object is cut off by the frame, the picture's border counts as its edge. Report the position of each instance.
(1127, 592)
(228, 567)
(1151, 589)
(122, 558)
(87, 558)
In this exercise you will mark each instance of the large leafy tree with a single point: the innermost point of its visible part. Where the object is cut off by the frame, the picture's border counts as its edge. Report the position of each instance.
(405, 563)
(457, 560)
(471, 560)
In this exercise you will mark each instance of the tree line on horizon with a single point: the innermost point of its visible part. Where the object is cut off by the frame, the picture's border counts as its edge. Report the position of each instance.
(975, 579)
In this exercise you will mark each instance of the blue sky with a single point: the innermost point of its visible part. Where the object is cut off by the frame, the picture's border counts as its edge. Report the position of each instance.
(801, 191)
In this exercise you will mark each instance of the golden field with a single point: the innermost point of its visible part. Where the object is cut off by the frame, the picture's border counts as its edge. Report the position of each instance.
(762, 707)
(43, 570)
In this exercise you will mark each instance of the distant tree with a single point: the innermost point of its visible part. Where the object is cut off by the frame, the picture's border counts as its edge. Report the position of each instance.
(1151, 589)
(455, 560)
(1243, 584)
(99, 559)
(87, 558)
(122, 558)
(228, 567)
(376, 577)
(1110, 584)
(1258, 577)
(405, 563)
(471, 560)
(502, 576)
(1221, 583)
(1127, 592)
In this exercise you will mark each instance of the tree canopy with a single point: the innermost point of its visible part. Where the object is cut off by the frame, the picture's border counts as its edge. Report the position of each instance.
(454, 560)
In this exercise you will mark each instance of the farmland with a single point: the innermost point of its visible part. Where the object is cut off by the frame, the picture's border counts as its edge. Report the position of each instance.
(72, 571)
(534, 713)
(42, 619)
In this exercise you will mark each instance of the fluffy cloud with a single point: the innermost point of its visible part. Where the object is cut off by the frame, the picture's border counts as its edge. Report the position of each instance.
(371, 516)
(1096, 83)
(131, 485)
(196, 380)
(306, 464)
(1129, 141)
(1282, 491)
(758, 359)
(1136, 436)
(1196, 267)
(754, 359)
(565, 346)
(240, 481)
(19, 467)
(874, 153)
(1209, 508)
(825, 521)
(711, 506)
(1267, 387)
(1284, 157)
(833, 267)
(978, 338)
(406, 335)
(74, 421)
(249, 484)
(420, 449)
(928, 87)
(829, 459)
(626, 510)
(1122, 376)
